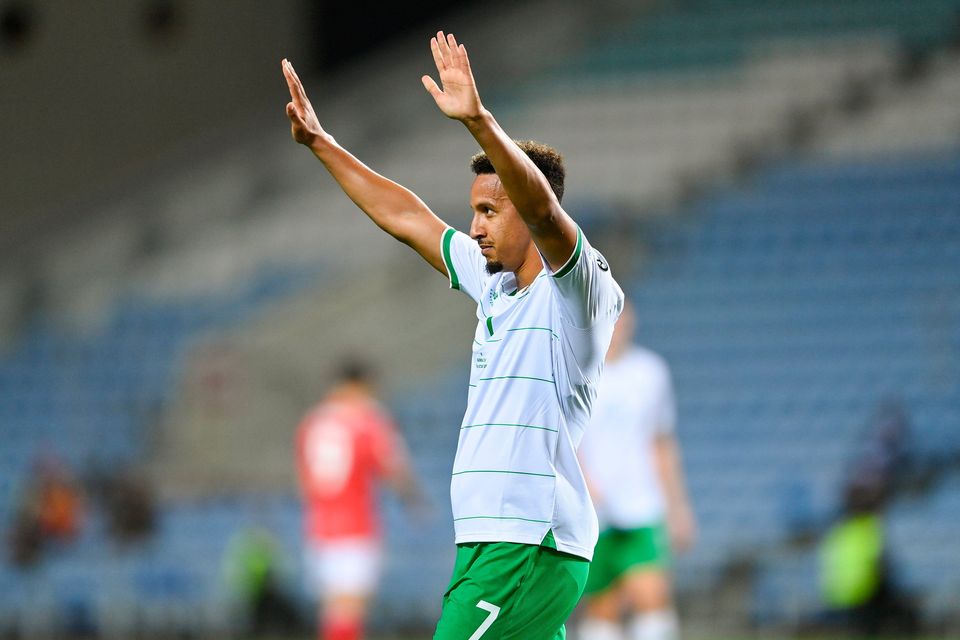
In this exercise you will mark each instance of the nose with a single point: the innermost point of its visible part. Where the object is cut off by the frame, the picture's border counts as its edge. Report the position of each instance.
(477, 228)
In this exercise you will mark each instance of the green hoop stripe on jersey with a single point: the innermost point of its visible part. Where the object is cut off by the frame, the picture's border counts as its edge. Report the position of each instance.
(516, 473)
(448, 263)
(552, 332)
(500, 518)
(572, 261)
(519, 378)
(507, 424)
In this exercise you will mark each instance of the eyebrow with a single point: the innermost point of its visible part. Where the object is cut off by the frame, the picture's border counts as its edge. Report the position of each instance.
(492, 204)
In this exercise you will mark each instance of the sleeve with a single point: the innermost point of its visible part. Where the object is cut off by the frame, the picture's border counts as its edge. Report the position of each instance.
(667, 409)
(587, 289)
(466, 266)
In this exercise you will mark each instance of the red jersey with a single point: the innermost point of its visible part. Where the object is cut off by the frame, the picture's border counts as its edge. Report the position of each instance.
(342, 449)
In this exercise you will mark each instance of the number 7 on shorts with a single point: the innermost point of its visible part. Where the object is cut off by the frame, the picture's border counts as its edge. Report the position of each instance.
(494, 612)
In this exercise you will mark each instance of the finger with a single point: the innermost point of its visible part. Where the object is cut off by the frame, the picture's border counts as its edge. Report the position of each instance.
(300, 90)
(431, 87)
(293, 113)
(296, 87)
(444, 47)
(291, 82)
(465, 58)
(455, 50)
(437, 58)
(287, 72)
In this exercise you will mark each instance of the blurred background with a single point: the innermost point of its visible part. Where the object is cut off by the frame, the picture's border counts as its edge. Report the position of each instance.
(776, 184)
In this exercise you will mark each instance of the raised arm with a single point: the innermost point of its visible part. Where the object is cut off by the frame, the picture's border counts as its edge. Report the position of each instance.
(393, 208)
(553, 231)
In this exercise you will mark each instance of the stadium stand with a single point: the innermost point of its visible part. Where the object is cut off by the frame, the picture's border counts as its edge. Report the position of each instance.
(788, 304)
(845, 272)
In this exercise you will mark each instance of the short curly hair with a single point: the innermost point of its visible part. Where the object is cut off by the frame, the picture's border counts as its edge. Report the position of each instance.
(545, 157)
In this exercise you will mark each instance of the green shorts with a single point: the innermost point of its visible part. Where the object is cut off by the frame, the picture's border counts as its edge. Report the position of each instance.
(619, 550)
(509, 591)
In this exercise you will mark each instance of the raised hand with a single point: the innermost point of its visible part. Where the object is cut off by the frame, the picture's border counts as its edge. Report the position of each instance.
(458, 99)
(304, 125)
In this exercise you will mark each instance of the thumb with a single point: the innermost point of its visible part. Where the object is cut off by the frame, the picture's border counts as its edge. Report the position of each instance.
(431, 87)
(292, 112)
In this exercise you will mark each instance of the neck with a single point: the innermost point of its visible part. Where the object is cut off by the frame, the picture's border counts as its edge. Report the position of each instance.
(530, 269)
(349, 391)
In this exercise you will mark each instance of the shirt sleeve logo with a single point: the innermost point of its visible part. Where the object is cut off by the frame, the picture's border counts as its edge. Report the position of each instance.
(601, 262)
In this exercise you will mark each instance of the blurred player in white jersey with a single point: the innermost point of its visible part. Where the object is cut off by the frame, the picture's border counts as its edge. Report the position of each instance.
(632, 464)
(346, 446)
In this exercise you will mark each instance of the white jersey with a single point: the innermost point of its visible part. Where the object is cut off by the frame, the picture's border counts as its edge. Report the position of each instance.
(635, 404)
(537, 357)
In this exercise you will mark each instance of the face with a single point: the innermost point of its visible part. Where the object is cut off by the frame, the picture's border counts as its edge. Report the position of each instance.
(501, 233)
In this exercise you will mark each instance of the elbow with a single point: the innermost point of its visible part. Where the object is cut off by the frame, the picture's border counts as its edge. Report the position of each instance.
(543, 215)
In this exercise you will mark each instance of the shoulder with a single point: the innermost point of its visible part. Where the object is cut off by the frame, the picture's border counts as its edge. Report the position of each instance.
(373, 415)
(594, 255)
(584, 256)
(453, 241)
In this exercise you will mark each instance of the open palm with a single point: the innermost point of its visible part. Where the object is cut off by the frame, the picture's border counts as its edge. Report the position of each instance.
(458, 97)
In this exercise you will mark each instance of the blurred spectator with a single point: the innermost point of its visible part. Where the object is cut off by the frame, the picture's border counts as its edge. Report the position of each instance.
(58, 502)
(856, 581)
(253, 568)
(50, 511)
(855, 577)
(25, 541)
(345, 446)
(127, 499)
(130, 506)
(631, 461)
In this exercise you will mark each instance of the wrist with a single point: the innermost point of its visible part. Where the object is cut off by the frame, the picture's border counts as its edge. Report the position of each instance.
(321, 142)
(481, 120)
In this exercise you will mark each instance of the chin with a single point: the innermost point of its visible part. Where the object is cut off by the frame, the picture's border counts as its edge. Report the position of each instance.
(494, 266)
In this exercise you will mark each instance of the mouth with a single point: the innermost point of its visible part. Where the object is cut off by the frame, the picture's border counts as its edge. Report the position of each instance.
(486, 249)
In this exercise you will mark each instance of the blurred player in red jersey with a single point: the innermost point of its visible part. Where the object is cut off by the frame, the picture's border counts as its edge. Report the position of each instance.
(346, 445)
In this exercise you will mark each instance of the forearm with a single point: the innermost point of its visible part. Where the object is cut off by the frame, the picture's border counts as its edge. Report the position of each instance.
(592, 488)
(391, 206)
(523, 182)
(671, 475)
(399, 476)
